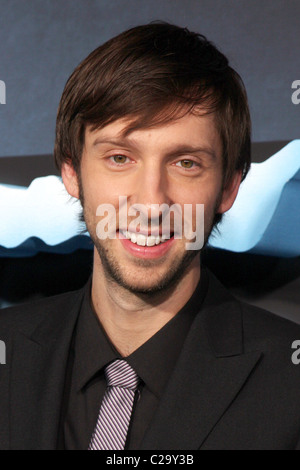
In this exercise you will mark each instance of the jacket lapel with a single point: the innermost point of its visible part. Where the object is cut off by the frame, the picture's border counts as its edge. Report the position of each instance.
(211, 371)
(37, 380)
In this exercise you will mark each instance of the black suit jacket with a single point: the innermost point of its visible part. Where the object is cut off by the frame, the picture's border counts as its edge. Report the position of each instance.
(234, 386)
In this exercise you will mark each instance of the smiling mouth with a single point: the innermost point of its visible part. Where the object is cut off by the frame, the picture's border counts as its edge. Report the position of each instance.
(145, 240)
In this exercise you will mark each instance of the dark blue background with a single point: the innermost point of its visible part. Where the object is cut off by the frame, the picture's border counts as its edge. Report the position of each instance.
(43, 40)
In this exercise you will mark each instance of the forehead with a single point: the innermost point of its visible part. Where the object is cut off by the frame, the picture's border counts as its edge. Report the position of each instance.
(192, 129)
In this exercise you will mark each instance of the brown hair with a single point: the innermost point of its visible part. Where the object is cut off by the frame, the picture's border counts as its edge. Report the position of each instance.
(151, 74)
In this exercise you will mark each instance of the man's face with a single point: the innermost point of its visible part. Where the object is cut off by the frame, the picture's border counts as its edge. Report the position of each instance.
(175, 163)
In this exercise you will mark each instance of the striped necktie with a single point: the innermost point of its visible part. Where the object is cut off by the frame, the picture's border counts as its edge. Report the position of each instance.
(115, 412)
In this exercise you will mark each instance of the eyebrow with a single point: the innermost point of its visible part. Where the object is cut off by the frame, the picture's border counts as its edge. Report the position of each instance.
(176, 151)
(107, 140)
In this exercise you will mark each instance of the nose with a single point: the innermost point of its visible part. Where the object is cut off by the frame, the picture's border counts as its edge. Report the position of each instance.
(152, 191)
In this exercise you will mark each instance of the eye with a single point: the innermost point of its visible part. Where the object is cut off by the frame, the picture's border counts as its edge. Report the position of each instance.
(186, 164)
(119, 159)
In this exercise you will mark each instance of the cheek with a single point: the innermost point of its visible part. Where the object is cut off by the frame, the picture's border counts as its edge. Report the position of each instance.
(96, 191)
(203, 194)
(210, 199)
(99, 188)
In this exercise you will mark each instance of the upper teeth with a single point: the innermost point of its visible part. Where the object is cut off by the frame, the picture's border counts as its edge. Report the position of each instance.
(144, 240)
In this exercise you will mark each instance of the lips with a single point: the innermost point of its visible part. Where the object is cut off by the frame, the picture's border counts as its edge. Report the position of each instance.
(142, 239)
(147, 247)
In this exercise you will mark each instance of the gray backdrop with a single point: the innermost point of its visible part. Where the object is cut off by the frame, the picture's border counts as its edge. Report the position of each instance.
(43, 40)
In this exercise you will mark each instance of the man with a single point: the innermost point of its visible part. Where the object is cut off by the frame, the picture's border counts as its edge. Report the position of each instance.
(158, 118)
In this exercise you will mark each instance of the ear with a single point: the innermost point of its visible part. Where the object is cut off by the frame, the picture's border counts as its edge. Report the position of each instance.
(70, 179)
(229, 193)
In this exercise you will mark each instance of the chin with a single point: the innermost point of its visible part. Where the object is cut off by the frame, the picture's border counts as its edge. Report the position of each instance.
(147, 288)
(148, 281)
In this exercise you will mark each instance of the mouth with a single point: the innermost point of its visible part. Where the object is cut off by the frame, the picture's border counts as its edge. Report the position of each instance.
(142, 239)
(146, 246)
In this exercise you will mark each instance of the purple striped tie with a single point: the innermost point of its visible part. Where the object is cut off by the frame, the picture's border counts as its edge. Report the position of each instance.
(115, 412)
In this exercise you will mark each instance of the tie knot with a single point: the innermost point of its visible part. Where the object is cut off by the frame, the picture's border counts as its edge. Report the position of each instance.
(120, 374)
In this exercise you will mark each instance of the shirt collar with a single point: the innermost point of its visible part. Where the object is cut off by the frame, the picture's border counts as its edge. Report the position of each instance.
(92, 348)
(153, 361)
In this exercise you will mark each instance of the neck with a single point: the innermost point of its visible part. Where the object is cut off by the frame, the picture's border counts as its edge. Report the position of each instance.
(130, 319)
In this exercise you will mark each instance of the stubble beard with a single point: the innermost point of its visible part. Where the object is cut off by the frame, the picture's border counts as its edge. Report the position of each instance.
(113, 271)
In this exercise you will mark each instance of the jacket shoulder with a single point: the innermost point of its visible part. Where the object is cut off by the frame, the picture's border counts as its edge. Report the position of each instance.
(260, 328)
(267, 329)
(26, 316)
